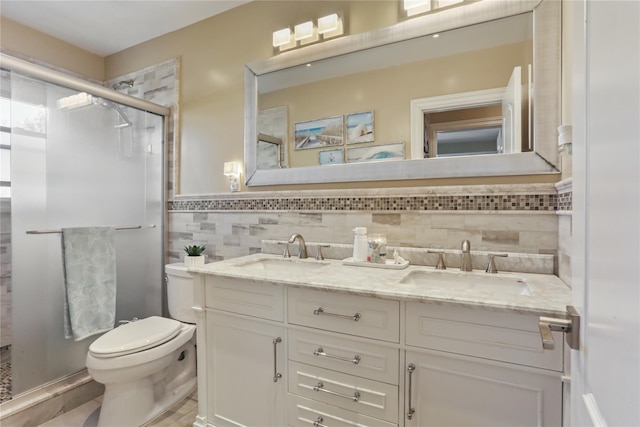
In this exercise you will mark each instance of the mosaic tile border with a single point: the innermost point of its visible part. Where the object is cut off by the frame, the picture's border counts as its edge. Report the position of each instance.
(565, 194)
(484, 202)
(565, 201)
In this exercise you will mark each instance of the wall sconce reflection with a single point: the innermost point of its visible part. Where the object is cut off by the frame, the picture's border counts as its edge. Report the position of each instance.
(308, 32)
(232, 171)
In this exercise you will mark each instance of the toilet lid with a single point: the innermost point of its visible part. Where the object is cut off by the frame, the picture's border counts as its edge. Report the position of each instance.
(135, 336)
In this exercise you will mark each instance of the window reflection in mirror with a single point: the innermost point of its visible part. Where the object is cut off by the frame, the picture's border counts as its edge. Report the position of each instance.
(483, 128)
(464, 132)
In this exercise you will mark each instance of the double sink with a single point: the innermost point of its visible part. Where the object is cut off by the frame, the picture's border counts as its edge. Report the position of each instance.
(425, 278)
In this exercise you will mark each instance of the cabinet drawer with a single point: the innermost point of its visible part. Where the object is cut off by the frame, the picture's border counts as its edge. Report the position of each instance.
(349, 314)
(506, 337)
(264, 300)
(305, 412)
(368, 397)
(344, 354)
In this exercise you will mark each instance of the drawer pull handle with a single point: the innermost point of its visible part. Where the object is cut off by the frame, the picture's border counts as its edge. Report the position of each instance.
(320, 387)
(320, 352)
(320, 310)
(411, 409)
(276, 375)
(318, 422)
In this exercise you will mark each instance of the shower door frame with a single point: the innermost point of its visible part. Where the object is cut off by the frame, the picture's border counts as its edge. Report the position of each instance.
(47, 75)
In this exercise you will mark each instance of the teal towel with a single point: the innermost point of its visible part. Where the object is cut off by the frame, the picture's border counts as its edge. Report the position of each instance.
(89, 260)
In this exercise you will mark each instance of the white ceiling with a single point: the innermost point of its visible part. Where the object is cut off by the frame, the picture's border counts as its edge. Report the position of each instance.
(106, 27)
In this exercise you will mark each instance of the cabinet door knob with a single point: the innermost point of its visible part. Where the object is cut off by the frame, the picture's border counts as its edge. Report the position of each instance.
(318, 422)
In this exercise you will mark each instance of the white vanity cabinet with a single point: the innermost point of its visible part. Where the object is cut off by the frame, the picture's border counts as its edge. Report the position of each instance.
(285, 355)
(470, 367)
(245, 353)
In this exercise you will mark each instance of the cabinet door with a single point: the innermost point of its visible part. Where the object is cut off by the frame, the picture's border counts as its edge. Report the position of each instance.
(244, 358)
(450, 390)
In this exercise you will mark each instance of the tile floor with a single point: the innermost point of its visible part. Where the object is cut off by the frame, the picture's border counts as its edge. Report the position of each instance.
(182, 414)
(5, 381)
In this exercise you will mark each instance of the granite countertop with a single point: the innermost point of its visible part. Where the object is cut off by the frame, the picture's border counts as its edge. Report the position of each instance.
(547, 295)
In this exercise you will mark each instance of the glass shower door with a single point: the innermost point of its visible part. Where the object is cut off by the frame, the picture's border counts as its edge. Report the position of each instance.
(95, 164)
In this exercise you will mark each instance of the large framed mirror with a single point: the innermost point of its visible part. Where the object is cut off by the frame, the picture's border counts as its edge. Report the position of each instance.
(317, 84)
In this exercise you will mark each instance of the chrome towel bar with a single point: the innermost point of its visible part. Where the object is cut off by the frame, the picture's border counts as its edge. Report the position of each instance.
(133, 227)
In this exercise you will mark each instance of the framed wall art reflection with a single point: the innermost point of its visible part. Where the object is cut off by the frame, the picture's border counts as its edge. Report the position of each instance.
(376, 153)
(331, 157)
(360, 127)
(319, 133)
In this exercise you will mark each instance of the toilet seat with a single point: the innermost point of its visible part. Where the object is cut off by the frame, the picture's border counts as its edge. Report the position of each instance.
(135, 336)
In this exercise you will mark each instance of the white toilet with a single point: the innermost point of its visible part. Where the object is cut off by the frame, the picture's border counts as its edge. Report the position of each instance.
(149, 364)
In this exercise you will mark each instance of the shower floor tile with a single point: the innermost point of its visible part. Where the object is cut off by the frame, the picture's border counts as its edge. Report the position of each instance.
(5, 381)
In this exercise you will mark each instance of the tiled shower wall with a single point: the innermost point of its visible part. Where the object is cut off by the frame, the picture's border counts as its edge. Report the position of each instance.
(504, 218)
(158, 84)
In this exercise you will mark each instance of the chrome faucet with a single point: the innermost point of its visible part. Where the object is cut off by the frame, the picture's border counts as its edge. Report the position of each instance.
(302, 247)
(465, 265)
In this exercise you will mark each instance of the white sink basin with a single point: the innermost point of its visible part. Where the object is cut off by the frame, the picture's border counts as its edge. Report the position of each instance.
(468, 282)
(282, 265)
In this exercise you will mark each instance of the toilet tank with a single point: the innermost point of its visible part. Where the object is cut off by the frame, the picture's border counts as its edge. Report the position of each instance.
(180, 292)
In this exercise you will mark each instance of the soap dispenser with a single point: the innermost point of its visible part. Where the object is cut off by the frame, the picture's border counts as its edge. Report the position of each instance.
(360, 244)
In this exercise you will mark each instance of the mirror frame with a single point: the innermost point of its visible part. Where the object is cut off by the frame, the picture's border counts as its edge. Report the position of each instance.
(547, 94)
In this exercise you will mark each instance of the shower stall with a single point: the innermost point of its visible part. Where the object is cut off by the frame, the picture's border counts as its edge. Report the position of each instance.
(73, 154)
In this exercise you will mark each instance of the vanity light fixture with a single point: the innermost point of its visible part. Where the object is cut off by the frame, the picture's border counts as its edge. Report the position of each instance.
(308, 32)
(282, 39)
(232, 171)
(330, 26)
(305, 33)
(415, 7)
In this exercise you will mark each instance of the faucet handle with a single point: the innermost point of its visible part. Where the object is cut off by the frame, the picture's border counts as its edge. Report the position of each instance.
(440, 265)
(491, 267)
(285, 253)
(319, 256)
